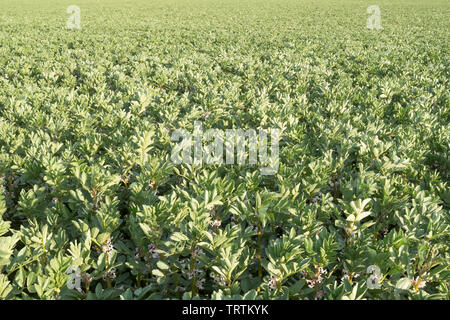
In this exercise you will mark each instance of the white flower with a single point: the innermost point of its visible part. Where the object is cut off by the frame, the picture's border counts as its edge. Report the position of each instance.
(322, 271)
(311, 283)
(273, 282)
(193, 273)
(216, 223)
(199, 283)
(108, 247)
(151, 249)
(218, 279)
(111, 274)
(197, 252)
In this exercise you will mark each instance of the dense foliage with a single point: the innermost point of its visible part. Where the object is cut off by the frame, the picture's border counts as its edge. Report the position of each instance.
(87, 183)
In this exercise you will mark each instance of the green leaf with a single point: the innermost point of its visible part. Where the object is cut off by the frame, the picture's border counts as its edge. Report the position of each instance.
(363, 215)
(403, 283)
(178, 237)
(162, 265)
(157, 272)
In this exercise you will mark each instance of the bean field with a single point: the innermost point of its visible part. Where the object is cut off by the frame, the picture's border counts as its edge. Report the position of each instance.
(92, 205)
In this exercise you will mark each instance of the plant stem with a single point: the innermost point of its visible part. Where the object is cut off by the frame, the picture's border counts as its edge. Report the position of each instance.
(194, 274)
(258, 250)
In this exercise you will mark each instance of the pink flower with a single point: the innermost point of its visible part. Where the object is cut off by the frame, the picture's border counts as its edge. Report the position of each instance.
(320, 294)
(422, 283)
